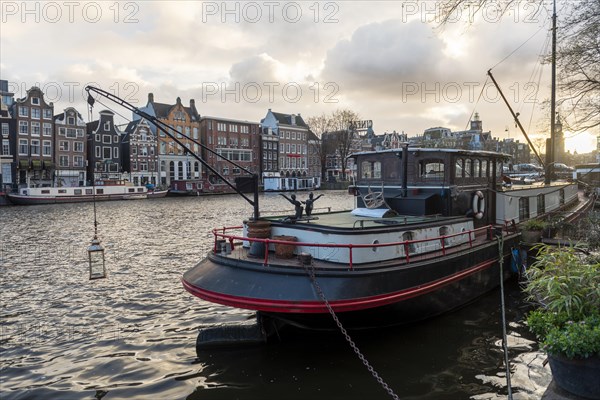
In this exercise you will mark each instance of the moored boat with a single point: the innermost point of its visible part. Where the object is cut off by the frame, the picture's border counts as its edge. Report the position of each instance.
(102, 191)
(428, 233)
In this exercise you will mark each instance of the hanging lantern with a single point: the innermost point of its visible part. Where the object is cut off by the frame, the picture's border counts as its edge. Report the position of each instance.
(96, 259)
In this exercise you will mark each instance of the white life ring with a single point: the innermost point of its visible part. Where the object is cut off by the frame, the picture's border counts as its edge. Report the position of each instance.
(478, 204)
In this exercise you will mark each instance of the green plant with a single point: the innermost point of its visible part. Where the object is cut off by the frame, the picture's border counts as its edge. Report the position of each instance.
(534, 225)
(565, 285)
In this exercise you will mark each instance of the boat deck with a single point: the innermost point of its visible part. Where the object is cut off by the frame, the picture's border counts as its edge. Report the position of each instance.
(346, 220)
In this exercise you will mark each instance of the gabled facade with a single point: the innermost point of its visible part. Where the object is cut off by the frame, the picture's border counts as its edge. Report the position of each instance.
(34, 140)
(175, 163)
(285, 150)
(7, 139)
(103, 148)
(139, 153)
(234, 139)
(70, 149)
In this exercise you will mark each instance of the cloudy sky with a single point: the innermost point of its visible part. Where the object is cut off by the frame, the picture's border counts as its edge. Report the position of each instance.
(387, 60)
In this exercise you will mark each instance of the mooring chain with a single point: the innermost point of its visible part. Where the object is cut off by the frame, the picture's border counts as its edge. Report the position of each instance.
(313, 279)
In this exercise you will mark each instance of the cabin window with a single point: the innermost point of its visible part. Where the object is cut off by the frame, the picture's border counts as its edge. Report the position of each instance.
(476, 168)
(62, 191)
(432, 170)
(77, 192)
(561, 196)
(88, 191)
(391, 168)
(523, 208)
(484, 169)
(131, 190)
(371, 169)
(541, 204)
(458, 168)
(468, 168)
(408, 236)
(45, 191)
(99, 191)
(499, 169)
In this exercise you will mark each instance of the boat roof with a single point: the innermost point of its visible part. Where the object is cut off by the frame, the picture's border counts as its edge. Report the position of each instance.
(484, 153)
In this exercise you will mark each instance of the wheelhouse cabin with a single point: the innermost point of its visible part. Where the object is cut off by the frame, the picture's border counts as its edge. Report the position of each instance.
(423, 181)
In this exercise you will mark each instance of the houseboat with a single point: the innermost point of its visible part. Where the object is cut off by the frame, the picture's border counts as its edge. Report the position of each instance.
(103, 190)
(432, 230)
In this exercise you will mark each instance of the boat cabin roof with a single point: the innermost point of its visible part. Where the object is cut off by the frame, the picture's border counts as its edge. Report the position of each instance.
(417, 150)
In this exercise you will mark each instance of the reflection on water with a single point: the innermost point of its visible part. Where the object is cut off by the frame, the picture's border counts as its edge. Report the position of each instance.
(133, 335)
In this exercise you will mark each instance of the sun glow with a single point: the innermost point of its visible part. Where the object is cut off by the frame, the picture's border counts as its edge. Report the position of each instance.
(581, 143)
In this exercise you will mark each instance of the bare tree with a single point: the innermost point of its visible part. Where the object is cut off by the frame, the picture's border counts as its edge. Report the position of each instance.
(320, 125)
(578, 55)
(343, 134)
(578, 63)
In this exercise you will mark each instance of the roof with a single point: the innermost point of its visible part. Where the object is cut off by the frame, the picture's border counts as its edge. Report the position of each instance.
(286, 119)
(162, 110)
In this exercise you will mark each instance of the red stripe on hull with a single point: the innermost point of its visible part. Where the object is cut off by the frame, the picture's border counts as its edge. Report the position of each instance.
(312, 307)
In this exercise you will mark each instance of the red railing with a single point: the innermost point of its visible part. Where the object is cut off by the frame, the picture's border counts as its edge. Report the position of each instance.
(472, 234)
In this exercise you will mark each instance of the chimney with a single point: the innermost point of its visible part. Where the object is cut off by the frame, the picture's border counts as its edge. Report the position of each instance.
(150, 97)
(293, 119)
(178, 100)
(192, 103)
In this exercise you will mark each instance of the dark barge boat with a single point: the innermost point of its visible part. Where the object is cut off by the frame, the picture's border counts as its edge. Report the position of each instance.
(424, 239)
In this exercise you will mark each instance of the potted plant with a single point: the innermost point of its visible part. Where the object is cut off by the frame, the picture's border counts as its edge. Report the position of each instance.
(531, 230)
(565, 286)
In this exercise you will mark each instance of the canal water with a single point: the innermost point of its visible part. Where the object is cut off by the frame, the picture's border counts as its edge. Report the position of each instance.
(132, 335)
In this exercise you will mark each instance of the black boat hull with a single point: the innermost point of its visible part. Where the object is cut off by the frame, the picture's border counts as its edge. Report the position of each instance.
(369, 297)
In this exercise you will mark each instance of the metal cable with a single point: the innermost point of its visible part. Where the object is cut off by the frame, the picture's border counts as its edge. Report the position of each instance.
(311, 274)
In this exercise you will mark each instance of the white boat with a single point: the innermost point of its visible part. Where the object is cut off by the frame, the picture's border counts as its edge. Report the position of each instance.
(101, 191)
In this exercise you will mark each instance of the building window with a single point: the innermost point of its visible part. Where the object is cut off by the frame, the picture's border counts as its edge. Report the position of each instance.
(78, 161)
(221, 127)
(63, 161)
(72, 133)
(5, 147)
(106, 139)
(23, 127)
(23, 111)
(47, 113)
(47, 129)
(23, 147)
(63, 145)
(107, 126)
(35, 113)
(143, 167)
(35, 128)
(107, 153)
(78, 147)
(195, 130)
(115, 152)
(233, 128)
(35, 100)
(35, 147)
(47, 148)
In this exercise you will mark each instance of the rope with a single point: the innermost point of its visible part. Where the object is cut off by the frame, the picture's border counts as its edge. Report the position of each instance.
(504, 339)
(311, 274)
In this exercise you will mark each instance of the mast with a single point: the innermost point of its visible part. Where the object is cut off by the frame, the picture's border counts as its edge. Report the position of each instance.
(550, 152)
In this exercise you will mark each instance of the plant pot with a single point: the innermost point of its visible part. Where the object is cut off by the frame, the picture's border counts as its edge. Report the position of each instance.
(285, 250)
(531, 236)
(577, 375)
